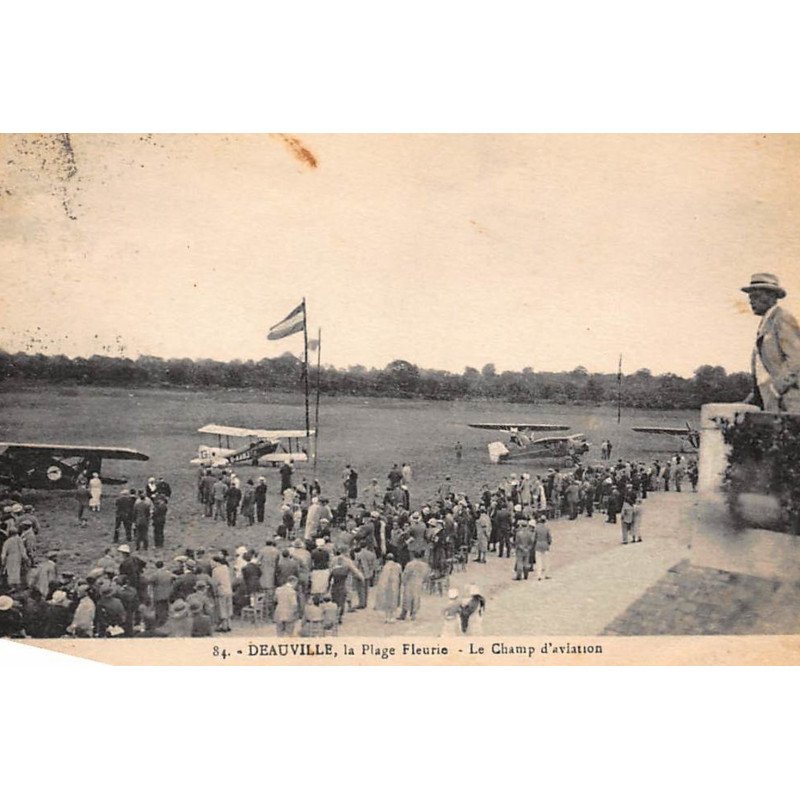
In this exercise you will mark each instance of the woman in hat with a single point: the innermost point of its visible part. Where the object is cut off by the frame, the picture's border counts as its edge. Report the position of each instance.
(484, 531)
(95, 492)
(82, 624)
(320, 559)
(13, 558)
(387, 590)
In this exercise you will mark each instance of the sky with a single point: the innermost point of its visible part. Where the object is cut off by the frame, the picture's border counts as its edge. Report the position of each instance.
(542, 251)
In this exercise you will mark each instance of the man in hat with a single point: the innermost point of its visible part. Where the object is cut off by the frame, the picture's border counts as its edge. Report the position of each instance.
(159, 516)
(124, 514)
(44, 574)
(142, 509)
(223, 589)
(542, 540)
(523, 549)
(775, 362)
(131, 567)
(28, 514)
(260, 494)
(161, 581)
(82, 495)
(11, 623)
(201, 621)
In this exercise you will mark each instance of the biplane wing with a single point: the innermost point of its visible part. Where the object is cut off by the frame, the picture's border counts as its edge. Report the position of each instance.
(666, 431)
(12, 449)
(545, 440)
(254, 433)
(688, 434)
(517, 426)
(30, 465)
(264, 446)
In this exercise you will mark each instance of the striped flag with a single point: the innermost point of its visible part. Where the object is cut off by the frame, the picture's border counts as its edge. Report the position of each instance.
(294, 322)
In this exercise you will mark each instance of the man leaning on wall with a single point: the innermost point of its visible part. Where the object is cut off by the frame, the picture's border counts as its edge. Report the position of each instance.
(775, 363)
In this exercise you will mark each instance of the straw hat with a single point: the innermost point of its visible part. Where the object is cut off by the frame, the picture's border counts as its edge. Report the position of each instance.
(179, 609)
(765, 280)
(6, 603)
(59, 599)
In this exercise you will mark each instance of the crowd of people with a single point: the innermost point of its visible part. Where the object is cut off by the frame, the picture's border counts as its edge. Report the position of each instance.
(323, 561)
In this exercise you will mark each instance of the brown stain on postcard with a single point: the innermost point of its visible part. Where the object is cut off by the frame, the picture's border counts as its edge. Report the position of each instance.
(299, 150)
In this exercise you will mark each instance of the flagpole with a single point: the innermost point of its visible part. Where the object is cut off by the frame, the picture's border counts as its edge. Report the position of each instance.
(316, 409)
(619, 390)
(305, 371)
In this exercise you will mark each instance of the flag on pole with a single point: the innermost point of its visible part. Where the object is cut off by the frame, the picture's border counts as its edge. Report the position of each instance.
(292, 323)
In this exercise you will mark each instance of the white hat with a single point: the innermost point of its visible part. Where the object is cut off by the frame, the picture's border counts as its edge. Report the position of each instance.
(59, 599)
(16, 508)
(319, 542)
(452, 594)
(241, 550)
(6, 603)
(124, 548)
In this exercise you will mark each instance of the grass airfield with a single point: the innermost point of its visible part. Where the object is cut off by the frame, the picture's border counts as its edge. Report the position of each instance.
(369, 433)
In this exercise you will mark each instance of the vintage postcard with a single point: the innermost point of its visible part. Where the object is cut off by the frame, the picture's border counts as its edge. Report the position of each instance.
(401, 399)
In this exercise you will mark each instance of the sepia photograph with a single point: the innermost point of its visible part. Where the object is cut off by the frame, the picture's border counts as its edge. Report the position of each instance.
(384, 399)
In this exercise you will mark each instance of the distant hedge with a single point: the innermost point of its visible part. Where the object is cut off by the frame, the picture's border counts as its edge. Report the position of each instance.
(399, 378)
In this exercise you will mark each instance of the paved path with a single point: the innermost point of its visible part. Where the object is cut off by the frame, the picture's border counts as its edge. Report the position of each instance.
(594, 579)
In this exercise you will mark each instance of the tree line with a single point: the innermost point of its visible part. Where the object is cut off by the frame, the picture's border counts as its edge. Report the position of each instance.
(399, 378)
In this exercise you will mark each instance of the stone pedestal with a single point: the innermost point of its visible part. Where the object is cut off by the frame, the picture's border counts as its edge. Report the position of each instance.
(713, 457)
(717, 542)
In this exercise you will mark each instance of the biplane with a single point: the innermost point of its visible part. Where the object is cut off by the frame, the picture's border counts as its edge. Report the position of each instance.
(262, 448)
(57, 466)
(690, 438)
(521, 446)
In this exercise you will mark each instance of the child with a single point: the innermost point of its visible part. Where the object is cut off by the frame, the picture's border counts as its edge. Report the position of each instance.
(451, 614)
(330, 615)
(313, 619)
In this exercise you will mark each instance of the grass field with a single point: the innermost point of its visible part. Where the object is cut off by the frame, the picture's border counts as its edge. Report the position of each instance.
(371, 434)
